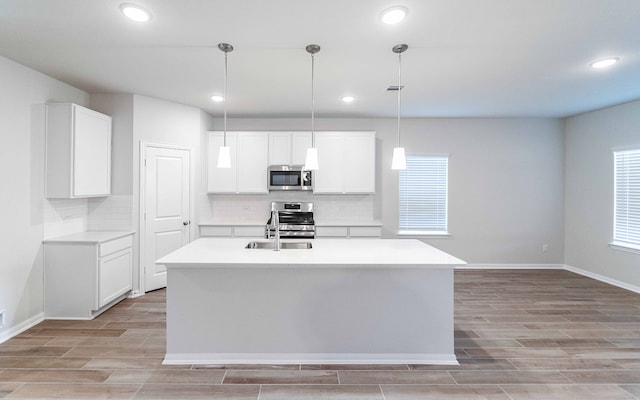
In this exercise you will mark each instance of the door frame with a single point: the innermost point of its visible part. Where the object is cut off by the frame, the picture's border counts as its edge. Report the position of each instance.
(142, 236)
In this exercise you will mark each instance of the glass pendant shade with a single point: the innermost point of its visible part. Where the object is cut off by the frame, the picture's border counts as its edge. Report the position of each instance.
(224, 157)
(399, 161)
(311, 162)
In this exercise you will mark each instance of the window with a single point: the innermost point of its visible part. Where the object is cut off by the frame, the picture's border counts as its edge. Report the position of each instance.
(423, 196)
(626, 218)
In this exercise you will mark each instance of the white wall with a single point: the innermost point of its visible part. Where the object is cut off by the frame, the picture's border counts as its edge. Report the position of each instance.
(590, 139)
(22, 177)
(505, 186)
(138, 119)
(162, 122)
(506, 195)
(120, 108)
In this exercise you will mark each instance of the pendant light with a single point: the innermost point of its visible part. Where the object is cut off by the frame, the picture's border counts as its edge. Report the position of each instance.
(399, 160)
(224, 155)
(311, 162)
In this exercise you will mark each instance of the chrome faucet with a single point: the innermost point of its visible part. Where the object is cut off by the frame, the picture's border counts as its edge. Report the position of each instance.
(275, 223)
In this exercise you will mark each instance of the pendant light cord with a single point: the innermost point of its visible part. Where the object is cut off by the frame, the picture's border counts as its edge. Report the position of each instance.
(399, 90)
(313, 103)
(224, 139)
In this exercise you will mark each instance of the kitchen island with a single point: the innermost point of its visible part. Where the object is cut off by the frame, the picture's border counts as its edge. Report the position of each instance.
(356, 301)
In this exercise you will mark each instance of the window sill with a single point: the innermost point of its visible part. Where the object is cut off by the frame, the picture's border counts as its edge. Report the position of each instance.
(424, 234)
(627, 247)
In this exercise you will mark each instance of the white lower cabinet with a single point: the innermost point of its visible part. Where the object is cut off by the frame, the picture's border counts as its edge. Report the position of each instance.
(346, 231)
(249, 231)
(86, 273)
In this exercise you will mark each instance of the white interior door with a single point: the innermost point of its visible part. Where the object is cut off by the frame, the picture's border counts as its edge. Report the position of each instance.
(167, 211)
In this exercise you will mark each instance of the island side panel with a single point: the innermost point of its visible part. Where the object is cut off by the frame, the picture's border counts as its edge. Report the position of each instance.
(310, 314)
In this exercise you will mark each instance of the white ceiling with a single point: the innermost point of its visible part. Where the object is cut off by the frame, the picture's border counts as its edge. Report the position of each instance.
(466, 58)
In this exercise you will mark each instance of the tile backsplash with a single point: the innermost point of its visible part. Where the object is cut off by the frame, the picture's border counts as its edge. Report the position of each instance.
(67, 216)
(113, 213)
(64, 217)
(255, 208)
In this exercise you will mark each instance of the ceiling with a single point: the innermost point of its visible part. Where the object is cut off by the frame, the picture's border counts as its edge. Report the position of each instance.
(466, 58)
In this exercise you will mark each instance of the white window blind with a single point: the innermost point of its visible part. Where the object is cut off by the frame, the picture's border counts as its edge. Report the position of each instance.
(626, 230)
(423, 196)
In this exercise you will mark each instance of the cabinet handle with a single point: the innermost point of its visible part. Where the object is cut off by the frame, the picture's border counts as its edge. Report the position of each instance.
(185, 223)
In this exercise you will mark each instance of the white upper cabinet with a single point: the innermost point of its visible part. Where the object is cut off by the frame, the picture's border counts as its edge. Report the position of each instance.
(252, 156)
(279, 148)
(346, 162)
(329, 178)
(78, 152)
(360, 176)
(249, 161)
(288, 148)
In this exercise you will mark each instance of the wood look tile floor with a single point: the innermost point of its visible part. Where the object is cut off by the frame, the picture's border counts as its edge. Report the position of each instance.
(520, 334)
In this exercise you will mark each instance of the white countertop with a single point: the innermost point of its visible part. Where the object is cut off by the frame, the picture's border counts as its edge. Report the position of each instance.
(89, 237)
(364, 253)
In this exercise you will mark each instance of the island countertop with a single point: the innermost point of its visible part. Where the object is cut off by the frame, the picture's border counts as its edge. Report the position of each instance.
(367, 253)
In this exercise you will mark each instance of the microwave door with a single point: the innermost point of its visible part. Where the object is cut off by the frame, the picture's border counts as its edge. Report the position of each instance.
(285, 180)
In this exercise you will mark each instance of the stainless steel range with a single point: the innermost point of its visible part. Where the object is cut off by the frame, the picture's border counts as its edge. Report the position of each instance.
(296, 220)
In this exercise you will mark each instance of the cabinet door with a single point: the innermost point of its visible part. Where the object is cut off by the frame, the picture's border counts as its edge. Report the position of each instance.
(360, 176)
(329, 178)
(221, 180)
(91, 153)
(252, 155)
(279, 148)
(300, 142)
(114, 276)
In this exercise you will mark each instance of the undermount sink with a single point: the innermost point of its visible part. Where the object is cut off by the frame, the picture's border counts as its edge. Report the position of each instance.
(283, 245)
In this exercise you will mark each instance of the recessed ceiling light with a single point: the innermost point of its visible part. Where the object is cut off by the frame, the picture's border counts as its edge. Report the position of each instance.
(394, 15)
(604, 63)
(135, 12)
(217, 98)
(348, 99)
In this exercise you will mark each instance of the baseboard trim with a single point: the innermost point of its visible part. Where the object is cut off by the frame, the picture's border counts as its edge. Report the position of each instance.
(579, 271)
(134, 294)
(311, 358)
(21, 327)
(602, 278)
(511, 266)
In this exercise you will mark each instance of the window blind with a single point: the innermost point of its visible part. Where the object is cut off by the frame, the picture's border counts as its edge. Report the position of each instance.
(627, 198)
(423, 195)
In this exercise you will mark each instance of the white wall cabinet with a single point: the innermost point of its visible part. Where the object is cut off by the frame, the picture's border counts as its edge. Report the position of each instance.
(249, 162)
(288, 148)
(347, 162)
(78, 152)
(86, 273)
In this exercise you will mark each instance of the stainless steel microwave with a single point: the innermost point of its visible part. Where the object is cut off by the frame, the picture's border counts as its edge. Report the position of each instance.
(289, 177)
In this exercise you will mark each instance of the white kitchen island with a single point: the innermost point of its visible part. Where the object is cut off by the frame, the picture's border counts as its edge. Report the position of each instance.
(356, 301)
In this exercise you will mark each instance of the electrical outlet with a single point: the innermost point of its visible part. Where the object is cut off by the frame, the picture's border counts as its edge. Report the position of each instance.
(1, 318)
(545, 248)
